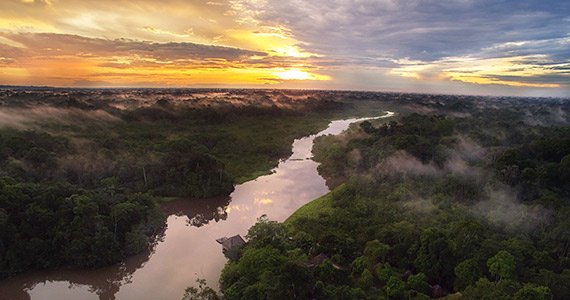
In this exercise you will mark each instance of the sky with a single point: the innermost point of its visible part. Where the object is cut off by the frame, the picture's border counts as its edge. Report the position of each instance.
(498, 47)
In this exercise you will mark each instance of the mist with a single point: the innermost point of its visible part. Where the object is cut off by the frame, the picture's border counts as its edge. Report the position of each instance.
(31, 118)
(501, 208)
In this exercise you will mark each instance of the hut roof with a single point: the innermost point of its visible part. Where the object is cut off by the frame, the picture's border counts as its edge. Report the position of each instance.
(231, 242)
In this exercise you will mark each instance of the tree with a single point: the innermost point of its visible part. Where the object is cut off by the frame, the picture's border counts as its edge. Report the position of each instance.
(395, 287)
(467, 272)
(203, 292)
(366, 279)
(266, 232)
(375, 250)
(533, 292)
(435, 258)
(122, 213)
(367, 127)
(502, 265)
(37, 157)
(418, 283)
(326, 272)
(384, 273)
(360, 264)
(294, 281)
(483, 289)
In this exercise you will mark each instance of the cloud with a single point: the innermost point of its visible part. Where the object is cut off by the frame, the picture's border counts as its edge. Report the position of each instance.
(51, 44)
(423, 30)
(517, 71)
(90, 83)
(399, 45)
(74, 60)
(431, 40)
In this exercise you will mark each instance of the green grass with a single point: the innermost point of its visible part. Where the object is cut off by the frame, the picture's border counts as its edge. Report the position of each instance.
(315, 208)
(252, 176)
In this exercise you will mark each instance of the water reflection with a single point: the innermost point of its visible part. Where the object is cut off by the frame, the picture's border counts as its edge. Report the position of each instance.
(188, 249)
(102, 283)
(199, 211)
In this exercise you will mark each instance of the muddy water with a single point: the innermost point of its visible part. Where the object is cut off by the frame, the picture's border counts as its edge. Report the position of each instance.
(187, 249)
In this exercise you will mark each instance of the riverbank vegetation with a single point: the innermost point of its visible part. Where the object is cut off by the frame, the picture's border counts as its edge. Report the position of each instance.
(458, 198)
(82, 171)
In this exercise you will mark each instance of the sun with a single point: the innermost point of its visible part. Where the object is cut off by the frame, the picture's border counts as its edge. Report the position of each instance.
(297, 74)
(293, 74)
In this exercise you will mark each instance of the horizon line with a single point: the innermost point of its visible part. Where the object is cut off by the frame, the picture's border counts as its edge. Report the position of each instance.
(39, 87)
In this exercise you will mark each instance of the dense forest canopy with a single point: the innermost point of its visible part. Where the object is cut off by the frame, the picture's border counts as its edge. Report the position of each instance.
(82, 171)
(456, 198)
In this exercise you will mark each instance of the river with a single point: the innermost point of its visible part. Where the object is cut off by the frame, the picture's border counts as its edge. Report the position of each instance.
(187, 249)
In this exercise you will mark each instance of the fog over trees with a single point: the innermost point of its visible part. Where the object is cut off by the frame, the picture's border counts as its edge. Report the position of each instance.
(457, 196)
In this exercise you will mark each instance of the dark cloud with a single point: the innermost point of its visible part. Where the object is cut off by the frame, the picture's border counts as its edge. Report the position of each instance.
(562, 78)
(127, 54)
(423, 30)
(52, 44)
(90, 83)
(431, 37)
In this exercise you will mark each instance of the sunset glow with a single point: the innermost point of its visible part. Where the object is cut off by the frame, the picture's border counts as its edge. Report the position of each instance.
(253, 43)
(296, 74)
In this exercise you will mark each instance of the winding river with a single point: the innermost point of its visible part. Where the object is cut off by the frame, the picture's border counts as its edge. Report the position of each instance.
(187, 250)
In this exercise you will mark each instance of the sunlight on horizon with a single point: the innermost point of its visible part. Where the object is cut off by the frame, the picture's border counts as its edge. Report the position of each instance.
(247, 43)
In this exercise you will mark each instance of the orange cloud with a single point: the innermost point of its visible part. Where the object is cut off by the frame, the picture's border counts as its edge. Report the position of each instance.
(64, 59)
(123, 42)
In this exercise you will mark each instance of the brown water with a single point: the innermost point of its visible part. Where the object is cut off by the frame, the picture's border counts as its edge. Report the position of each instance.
(187, 250)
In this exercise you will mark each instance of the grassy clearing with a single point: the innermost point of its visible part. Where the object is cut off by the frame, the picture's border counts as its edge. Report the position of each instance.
(314, 209)
(253, 176)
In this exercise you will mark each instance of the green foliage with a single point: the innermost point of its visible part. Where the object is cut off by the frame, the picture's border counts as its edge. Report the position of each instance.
(312, 209)
(73, 196)
(419, 135)
(264, 273)
(293, 282)
(366, 279)
(202, 292)
(384, 273)
(360, 264)
(502, 265)
(459, 188)
(467, 273)
(424, 137)
(556, 282)
(435, 223)
(434, 257)
(483, 289)
(267, 233)
(533, 292)
(418, 283)
(395, 287)
(540, 165)
(50, 225)
(376, 251)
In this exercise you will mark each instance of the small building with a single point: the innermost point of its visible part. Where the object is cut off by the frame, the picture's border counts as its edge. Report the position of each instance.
(231, 243)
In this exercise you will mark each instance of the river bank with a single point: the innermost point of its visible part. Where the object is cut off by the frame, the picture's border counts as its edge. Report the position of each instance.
(187, 249)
